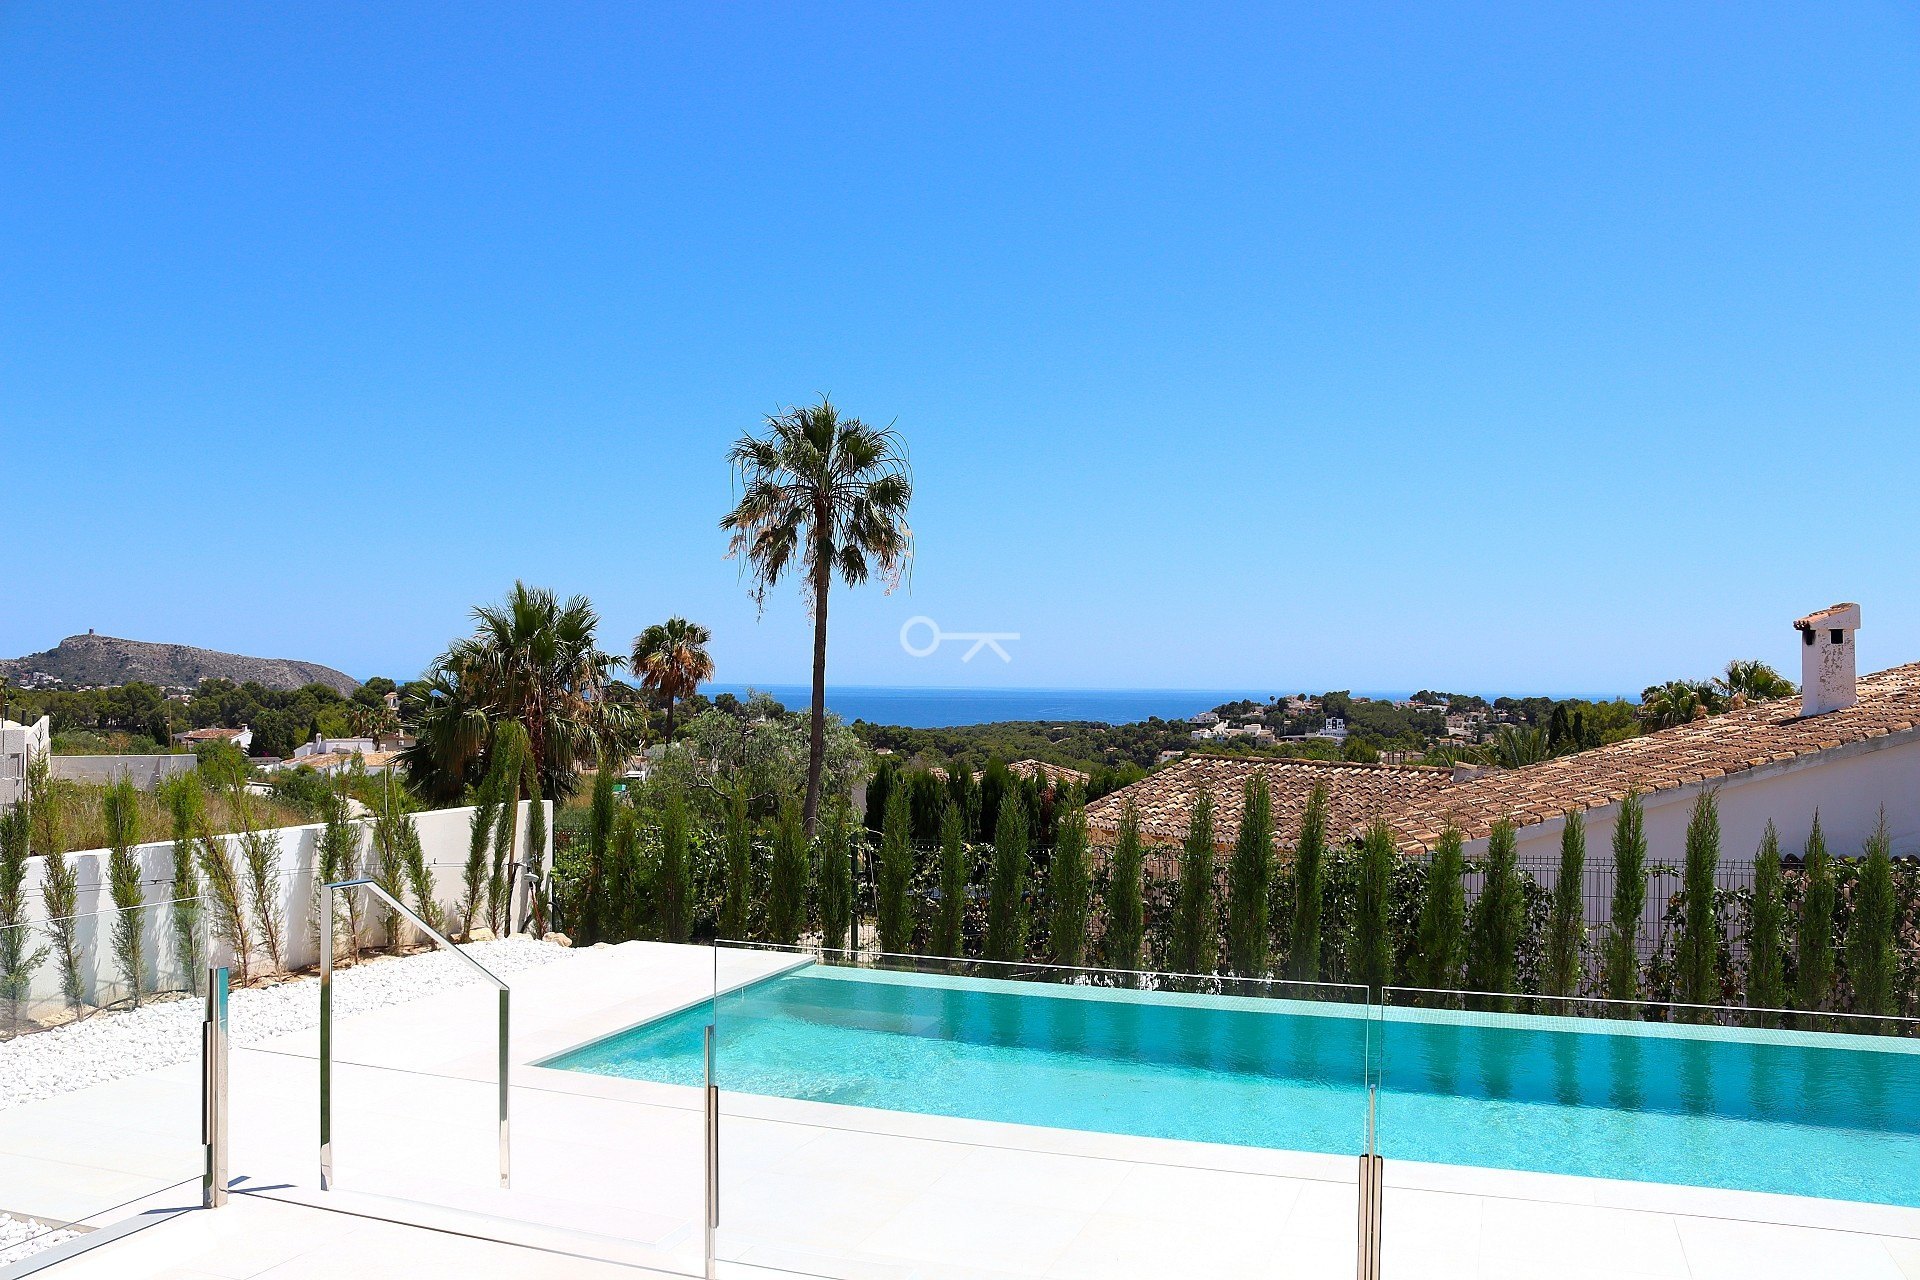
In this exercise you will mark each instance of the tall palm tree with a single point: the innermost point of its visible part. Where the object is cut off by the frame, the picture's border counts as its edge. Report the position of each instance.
(1751, 680)
(531, 660)
(671, 660)
(834, 493)
(1677, 702)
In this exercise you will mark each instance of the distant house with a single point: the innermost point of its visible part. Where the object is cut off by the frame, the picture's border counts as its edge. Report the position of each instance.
(336, 755)
(1334, 728)
(241, 737)
(20, 746)
(1206, 718)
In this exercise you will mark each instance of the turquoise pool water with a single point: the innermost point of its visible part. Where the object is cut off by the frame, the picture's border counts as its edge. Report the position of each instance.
(1832, 1116)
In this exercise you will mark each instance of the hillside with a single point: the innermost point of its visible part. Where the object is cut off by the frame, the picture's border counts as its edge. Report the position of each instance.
(105, 660)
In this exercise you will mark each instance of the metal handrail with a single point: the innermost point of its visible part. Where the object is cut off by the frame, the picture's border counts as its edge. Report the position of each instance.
(326, 1018)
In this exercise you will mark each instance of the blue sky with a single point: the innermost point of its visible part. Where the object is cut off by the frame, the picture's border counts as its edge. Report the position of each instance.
(1507, 347)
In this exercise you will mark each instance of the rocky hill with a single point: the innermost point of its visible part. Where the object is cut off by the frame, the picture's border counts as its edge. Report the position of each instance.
(94, 660)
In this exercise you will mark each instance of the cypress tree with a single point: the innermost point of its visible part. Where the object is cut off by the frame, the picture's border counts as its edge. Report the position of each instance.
(18, 957)
(1566, 925)
(1497, 918)
(1622, 960)
(835, 872)
(1767, 929)
(673, 880)
(1698, 952)
(736, 891)
(1007, 883)
(1195, 946)
(1250, 883)
(1126, 929)
(600, 817)
(1309, 871)
(186, 810)
(1370, 944)
(1815, 958)
(630, 879)
(1067, 886)
(122, 811)
(787, 887)
(949, 922)
(1870, 953)
(894, 906)
(1441, 935)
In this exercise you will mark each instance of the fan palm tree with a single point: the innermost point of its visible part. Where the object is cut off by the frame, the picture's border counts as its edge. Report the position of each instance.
(1751, 680)
(531, 660)
(671, 660)
(833, 493)
(1678, 702)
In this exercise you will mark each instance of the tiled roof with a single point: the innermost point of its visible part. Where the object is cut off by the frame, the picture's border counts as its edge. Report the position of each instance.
(1356, 795)
(210, 735)
(1047, 772)
(1715, 747)
(1419, 803)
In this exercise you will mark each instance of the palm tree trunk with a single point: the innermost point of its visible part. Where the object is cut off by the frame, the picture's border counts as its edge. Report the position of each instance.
(817, 735)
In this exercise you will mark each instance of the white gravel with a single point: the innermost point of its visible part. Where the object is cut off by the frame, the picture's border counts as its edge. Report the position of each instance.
(22, 1237)
(127, 1042)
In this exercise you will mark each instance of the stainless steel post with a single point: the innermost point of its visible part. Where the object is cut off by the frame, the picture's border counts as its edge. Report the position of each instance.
(213, 1094)
(326, 1022)
(713, 1156)
(1372, 1188)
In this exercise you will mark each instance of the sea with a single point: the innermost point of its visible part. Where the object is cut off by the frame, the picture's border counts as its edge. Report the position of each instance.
(935, 708)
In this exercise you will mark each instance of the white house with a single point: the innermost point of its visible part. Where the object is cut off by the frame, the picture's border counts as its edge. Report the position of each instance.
(20, 746)
(1334, 728)
(241, 737)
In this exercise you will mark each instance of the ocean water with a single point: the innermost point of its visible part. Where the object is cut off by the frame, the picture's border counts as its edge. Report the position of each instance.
(1830, 1116)
(940, 708)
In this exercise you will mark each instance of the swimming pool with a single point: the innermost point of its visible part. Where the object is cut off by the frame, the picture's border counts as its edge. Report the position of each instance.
(1836, 1116)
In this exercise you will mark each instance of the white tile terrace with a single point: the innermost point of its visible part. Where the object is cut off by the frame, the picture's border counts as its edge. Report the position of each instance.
(610, 1170)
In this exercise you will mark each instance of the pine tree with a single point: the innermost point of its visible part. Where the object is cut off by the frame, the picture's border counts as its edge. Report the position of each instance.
(1493, 941)
(673, 881)
(121, 808)
(787, 890)
(1309, 871)
(1622, 960)
(1815, 958)
(1250, 883)
(1370, 945)
(1441, 935)
(1125, 931)
(1698, 951)
(1195, 947)
(1566, 925)
(1067, 887)
(737, 885)
(1007, 883)
(949, 922)
(1767, 929)
(226, 898)
(1871, 960)
(893, 903)
(59, 879)
(835, 874)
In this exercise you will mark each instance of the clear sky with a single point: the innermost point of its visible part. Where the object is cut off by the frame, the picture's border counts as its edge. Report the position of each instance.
(1506, 347)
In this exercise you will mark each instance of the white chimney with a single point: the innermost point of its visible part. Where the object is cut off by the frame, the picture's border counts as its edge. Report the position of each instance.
(1826, 659)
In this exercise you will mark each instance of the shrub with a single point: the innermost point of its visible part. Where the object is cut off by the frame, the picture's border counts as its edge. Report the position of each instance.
(1441, 945)
(1698, 955)
(1497, 920)
(1370, 944)
(1815, 943)
(1309, 870)
(1195, 945)
(1766, 929)
(1125, 931)
(949, 921)
(1250, 882)
(1068, 888)
(894, 903)
(1622, 960)
(1566, 927)
(1007, 884)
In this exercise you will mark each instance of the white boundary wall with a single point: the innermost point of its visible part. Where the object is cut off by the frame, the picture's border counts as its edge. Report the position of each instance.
(444, 838)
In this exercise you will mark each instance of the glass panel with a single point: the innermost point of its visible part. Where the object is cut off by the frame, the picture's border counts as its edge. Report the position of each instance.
(100, 1072)
(1620, 1129)
(904, 1115)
